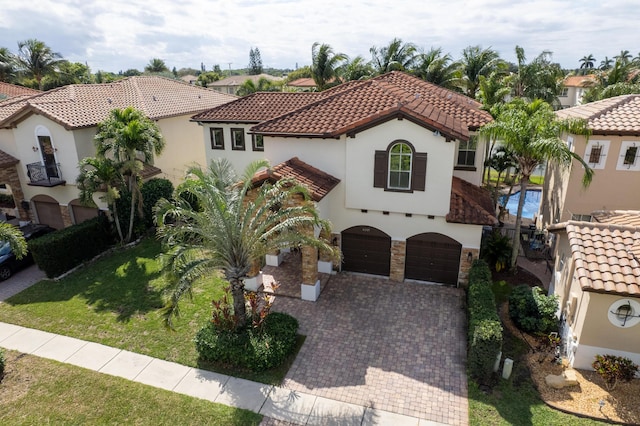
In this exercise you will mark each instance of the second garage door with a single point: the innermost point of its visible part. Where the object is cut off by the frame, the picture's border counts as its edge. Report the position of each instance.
(433, 257)
(366, 249)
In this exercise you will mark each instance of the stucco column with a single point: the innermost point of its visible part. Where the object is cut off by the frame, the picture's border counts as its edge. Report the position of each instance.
(398, 255)
(467, 256)
(310, 287)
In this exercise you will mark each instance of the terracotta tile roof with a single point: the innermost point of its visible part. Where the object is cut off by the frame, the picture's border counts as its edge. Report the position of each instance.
(619, 115)
(470, 204)
(605, 256)
(11, 90)
(579, 80)
(359, 105)
(7, 160)
(318, 182)
(618, 217)
(85, 105)
(302, 82)
(257, 107)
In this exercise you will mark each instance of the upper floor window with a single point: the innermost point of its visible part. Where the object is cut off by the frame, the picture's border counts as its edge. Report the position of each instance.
(237, 139)
(217, 138)
(564, 93)
(400, 168)
(596, 154)
(581, 217)
(467, 153)
(628, 158)
(258, 142)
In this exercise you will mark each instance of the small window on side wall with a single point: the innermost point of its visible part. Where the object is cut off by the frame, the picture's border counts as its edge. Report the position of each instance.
(467, 154)
(400, 168)
(628, 159)
(257, 142)
(237, 139)
(217, 138)
(596, 154)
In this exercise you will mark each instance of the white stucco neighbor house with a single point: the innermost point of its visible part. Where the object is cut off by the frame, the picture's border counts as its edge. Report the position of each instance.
(392, 162)
(43, 137)
(597, 278)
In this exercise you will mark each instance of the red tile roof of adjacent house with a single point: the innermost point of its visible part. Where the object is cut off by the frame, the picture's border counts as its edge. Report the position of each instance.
(317, 182)
(618, 217)
(470, 204)
(85, 105)
(11, 90)
(613, 116)
(579, 80)
(606, 255)
(7, 160)
(302, 82)
(362, 104)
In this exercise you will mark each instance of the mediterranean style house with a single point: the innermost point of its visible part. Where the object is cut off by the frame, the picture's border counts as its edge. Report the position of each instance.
(597, 279)
(612, 151)
(43, 137)
(573, 89)
(392, 162)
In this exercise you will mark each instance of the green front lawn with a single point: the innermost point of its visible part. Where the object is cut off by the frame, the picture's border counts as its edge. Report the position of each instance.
(38, 391)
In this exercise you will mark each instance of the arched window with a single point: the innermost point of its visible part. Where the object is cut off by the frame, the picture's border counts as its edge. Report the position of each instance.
(400, 159)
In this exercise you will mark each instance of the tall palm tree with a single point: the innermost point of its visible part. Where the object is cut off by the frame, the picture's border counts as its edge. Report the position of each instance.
(538, 79)
(156, 65)
(531, 131)
(436, 68)
(622, 78)
(324, 63)
(131, 140)
(357, 69)
(7, 65)
(226, 232)
(396, 56)
(606, 63)
(587, 63)
(624, 56)
(476, 62)
(37, 59)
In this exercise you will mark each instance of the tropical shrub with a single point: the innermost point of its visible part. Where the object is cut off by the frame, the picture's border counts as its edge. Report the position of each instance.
(533, 311)
(152, 191)
(614, 369)
(496, 250)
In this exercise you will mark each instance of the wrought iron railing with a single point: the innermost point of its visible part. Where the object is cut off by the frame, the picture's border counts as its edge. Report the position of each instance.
(45, 175)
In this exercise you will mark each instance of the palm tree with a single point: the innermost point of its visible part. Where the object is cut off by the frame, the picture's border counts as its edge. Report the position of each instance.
(13, 236)
(37, 59)
(492, 90)
(101, 175)
(226, 232)
(587, 63)
(531, 131)
(131, 140)
(624, 56)
(396, 56)
(606, 63)
(501, 161)
(622, 78)
(249, 87)
(538, 79)
(7, 65)
(356, 69)
(436, 68)
(476, 62)
(156, 65)
(324, 63)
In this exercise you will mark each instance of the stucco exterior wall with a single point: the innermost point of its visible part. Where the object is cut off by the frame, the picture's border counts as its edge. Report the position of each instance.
(238, 158)
(183, 147)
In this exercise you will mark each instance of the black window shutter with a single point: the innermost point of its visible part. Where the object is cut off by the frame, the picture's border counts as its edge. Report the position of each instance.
(419, 172)
(380, 169)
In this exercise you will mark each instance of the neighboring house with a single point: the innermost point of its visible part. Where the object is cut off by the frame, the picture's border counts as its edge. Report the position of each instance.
(574, 87)
(230, 85)
(44, 136)
(302, 85)
(8, 91)
(613, 151)
(189, 78)
(391, 162)
(597, 279)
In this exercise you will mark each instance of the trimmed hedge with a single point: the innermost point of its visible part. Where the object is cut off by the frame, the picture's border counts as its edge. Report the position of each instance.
(249, 348)
(485, 330)
(66, 248)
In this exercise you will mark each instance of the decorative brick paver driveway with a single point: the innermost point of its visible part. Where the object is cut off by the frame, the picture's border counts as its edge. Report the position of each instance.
(395, 347)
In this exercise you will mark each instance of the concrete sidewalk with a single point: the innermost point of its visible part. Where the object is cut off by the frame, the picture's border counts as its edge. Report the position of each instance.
(273, 402)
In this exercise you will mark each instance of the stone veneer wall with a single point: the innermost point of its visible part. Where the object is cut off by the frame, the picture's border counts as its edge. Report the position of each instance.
(9, 176)
(398, 255)
(465, 265)
(65, 211)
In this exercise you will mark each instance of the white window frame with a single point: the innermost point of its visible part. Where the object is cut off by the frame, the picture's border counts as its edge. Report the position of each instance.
(570, 144)
(390, 170)
(623, 153)
(603, 154)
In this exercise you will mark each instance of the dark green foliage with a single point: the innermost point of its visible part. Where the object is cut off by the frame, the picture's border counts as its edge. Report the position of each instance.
(496, 250)
(250, 348)
(62, 250)
(532, 311)
(6, 200)
(485, 330)
(613, 369)
(2, 360)
(123, 205)
(153, 190)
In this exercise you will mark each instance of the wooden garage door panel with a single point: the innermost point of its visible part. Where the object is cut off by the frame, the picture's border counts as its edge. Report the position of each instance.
(49, 214)
(432, 257)
(82, 213)
(366, 250)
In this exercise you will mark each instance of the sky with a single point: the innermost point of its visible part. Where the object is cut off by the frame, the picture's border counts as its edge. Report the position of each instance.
(116, 35)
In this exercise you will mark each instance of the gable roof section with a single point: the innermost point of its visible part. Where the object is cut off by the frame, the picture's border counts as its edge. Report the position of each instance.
(11, 90)
(619, 115)
(85, 105)
(470, 204)
(579, 80)
(257, 107)
(318, 182)
(605, 256)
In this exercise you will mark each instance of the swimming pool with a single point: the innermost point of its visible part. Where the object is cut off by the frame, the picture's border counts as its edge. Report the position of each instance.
(531, 203)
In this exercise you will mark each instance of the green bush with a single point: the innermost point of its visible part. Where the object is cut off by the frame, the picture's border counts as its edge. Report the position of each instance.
(152, 191)
(532, 311)
(485, 330)
(2, 361)
(614, 369)
(64, 249)
(7, 201)
(496, 250)
(250, 348)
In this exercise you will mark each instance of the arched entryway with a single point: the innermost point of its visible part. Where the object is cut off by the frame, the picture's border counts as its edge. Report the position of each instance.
(366, 249)
(48, 211)
(432, 257)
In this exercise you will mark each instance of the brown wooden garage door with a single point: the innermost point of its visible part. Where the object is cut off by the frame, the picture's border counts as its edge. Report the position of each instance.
(432, 257)
(49, 214)
(366, 249)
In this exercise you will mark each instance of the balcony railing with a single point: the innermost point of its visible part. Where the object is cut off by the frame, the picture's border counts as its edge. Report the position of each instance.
(41, 175)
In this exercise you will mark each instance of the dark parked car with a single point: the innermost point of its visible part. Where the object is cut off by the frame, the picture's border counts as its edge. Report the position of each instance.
(8, 262)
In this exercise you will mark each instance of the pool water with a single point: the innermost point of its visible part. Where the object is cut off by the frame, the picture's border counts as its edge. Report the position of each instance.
(531, 203)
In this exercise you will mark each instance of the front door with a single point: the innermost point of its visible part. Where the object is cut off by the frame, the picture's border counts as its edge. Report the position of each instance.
(48, 156)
